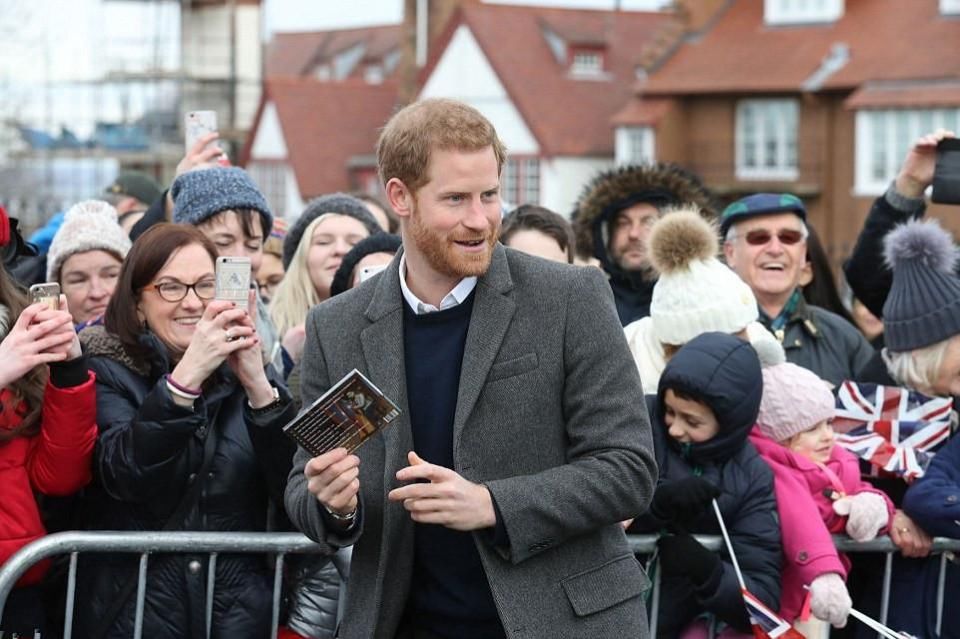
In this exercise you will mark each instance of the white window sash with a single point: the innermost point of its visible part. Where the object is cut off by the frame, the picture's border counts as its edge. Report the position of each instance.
(785, 118)
(879, 131)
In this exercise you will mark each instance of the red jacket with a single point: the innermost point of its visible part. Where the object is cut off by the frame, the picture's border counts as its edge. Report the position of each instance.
(54, 462)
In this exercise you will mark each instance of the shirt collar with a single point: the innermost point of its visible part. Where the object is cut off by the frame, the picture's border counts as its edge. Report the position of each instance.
(455, 297)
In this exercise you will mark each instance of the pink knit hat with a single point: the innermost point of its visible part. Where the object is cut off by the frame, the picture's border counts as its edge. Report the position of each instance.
(794, 400)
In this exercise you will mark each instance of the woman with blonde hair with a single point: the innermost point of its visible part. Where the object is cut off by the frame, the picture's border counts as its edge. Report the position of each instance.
(312, 252)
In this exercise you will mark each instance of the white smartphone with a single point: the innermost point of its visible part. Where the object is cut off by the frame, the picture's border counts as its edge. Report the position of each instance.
(197, 124)
(369, 271)
(233, 279)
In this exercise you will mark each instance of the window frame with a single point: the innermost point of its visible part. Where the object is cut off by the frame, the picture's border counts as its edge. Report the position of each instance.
(635, 145)
(521, 176)
(788, 12)
(900, 128)
(270, 176)
(757, 169)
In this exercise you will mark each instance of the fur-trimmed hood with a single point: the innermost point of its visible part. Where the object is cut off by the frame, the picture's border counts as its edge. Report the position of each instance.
(611, 191)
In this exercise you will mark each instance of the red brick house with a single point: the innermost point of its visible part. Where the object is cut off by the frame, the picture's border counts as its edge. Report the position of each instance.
(821, 98)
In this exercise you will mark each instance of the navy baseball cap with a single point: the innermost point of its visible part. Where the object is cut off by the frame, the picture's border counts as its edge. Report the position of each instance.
(761, 204)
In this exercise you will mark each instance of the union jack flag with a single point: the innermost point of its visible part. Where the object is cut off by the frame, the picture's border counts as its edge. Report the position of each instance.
(765, 622)
(895, 430)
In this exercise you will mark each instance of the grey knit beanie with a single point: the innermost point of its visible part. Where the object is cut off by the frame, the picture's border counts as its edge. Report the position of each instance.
(923, 306)
(90, 225)
(201, 194)
(339, 203)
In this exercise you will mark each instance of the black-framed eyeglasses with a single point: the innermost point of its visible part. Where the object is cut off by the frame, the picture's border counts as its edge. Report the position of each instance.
(176, 291)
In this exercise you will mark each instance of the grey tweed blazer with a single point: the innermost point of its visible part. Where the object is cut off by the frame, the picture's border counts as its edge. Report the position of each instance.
(550, 417)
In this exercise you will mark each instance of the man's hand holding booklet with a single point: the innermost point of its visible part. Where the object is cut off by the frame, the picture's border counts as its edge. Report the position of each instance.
(345, 416)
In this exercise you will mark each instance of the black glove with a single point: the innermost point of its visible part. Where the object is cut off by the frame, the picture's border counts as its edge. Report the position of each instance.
(683, 501)
(684, 555)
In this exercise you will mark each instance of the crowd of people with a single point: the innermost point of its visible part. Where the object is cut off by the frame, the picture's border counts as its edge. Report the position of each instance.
(652, 363)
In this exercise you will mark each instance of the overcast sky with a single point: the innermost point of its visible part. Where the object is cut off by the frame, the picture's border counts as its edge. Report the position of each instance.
(52, 50)
(304, 15)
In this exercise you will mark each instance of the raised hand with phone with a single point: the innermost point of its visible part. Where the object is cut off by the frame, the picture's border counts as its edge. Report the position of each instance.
(920, 164)
(226, 333)
(40, 335)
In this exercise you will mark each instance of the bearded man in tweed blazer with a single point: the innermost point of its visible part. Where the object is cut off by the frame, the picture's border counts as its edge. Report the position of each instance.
(491, 506)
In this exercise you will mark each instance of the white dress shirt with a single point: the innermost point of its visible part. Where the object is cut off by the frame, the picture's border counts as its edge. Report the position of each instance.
(455, 297)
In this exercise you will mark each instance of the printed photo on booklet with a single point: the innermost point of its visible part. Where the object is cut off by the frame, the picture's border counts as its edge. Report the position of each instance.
(345, 416)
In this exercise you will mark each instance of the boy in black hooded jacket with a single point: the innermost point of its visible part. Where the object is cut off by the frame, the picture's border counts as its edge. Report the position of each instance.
(707, 402)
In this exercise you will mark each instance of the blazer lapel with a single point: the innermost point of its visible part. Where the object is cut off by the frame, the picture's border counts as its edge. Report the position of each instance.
(493, 310)
(382, 343)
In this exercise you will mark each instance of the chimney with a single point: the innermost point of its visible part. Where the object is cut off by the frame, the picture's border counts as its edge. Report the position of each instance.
(423, 22)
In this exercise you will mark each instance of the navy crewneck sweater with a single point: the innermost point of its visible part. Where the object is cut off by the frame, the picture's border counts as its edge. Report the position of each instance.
(449, 593)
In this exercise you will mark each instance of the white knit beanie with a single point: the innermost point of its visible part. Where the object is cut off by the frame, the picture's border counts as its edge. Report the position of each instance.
(695, 292)
(794, 400)
(90, 225)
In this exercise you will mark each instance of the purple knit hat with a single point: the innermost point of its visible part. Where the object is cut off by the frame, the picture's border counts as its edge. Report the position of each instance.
(794, 400)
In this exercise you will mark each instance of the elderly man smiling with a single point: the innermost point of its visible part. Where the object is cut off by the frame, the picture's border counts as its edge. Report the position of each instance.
(765, 242)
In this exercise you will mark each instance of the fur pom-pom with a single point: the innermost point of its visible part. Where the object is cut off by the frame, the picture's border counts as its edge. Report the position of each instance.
(922, 242)
(680, 237)
(769, 351)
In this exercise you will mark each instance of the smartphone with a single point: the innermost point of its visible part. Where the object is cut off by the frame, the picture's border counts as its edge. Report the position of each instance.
(946, 174)
(233, 279)
(47, 293)
(369, 271)
(197, 124)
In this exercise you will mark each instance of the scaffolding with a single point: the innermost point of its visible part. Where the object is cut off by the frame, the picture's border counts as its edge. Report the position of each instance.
(152, 60)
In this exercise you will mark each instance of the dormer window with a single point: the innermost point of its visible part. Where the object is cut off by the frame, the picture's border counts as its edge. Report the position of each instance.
(787, 12)
(586, 62)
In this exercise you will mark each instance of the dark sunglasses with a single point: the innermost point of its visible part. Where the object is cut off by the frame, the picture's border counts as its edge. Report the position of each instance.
(759, 237)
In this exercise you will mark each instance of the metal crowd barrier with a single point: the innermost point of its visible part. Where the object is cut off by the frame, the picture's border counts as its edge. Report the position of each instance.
(282, 544)
(147, 543)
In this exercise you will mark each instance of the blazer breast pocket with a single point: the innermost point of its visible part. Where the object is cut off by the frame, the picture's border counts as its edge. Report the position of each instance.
(512, 367)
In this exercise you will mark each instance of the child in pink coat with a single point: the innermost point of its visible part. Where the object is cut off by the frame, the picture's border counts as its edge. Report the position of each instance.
(819, 492)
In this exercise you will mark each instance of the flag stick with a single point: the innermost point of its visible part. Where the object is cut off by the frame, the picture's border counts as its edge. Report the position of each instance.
(875, 625)
(726, 540)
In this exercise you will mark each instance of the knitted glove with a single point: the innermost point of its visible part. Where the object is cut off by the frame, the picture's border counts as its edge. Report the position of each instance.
(829, 599)
(684, 555)
(684, 500)
(866, 514)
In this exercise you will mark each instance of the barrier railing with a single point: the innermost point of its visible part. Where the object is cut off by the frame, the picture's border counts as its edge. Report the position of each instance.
(282, 544)
(147, 543)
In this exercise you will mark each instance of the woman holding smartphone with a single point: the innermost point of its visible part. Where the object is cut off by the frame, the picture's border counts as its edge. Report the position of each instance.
(190, 439)
(47, 430)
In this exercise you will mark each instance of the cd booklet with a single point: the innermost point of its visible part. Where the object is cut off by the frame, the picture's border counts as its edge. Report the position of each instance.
(348, 414)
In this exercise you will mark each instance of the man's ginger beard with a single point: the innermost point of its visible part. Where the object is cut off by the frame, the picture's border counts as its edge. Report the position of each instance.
(443, 257)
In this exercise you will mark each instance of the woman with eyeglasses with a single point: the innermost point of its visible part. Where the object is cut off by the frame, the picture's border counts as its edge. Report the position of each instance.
(190, 439)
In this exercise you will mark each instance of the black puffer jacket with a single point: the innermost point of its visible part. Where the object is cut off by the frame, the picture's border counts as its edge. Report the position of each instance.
(723, 372)
(147, 455)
